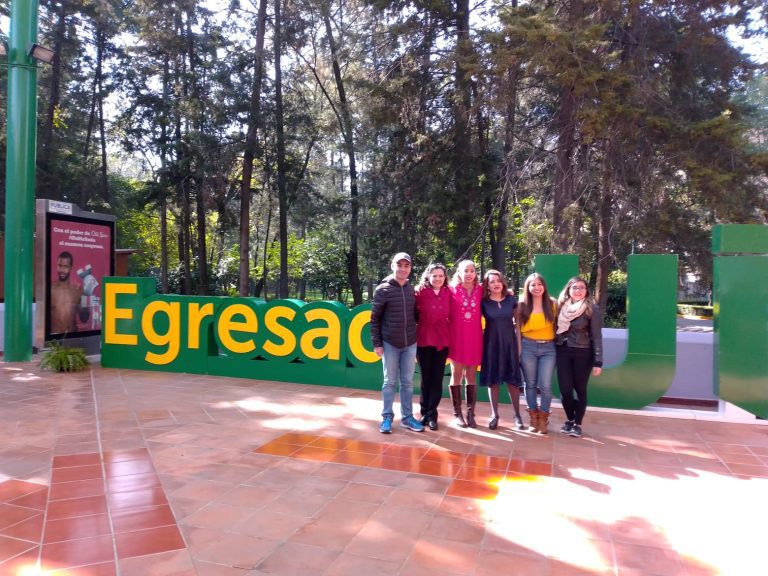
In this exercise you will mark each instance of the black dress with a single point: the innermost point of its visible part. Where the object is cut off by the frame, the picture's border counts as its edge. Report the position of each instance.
(500, 358)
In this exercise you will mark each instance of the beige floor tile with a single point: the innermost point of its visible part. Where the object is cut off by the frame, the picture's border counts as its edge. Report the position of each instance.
(296, 559)
(353, 565)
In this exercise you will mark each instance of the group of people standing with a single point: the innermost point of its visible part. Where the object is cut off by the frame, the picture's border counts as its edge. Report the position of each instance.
(520, 346)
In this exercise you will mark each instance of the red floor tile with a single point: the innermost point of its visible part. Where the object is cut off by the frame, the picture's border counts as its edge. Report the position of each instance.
(10, 547)
(432, 468)
(102, 569)
(366, 447)
(409, 452)
(531, 467)
(122, 455)
(72, 553)
(72, 473)
(14, 489)
(10, 515)
(76, 460)
(297, 438)
(330, 443)
(77, 507)
(275, 449)
(137, 499)
(77, 489)
(132, 483)
(128, 467)
(388, 462)
(76, 528)
(36, 500)
(30, 529)
(485, 462)
(151, 541)
(142, 518)
(468, 489)
(315, 454)
(21, 564)
(353, 458)
(445, 456)
(479, 474)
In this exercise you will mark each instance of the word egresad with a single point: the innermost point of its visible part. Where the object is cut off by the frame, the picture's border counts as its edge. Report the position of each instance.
(325, 343)
(248, 337)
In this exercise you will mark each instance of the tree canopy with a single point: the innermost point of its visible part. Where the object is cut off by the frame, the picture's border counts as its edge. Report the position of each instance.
(288, 148)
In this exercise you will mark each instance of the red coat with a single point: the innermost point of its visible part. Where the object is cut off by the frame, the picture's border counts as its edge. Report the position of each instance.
(434, 316)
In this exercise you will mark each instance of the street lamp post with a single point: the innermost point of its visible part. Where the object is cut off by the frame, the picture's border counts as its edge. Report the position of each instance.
(20, 181)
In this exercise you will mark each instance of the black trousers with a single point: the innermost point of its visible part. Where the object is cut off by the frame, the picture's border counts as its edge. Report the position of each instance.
(432, 367)
(574, 365)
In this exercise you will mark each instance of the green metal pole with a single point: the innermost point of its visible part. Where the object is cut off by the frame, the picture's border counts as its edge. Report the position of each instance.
(20, 182)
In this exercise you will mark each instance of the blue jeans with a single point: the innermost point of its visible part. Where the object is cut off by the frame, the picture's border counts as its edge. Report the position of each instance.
(538, 363)
(399, 365)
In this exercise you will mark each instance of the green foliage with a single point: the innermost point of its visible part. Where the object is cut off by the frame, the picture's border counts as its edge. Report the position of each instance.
(667, 121)
(616, 306)
(59, 358)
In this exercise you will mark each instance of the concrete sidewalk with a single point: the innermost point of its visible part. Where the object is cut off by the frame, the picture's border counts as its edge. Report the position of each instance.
(116, 472)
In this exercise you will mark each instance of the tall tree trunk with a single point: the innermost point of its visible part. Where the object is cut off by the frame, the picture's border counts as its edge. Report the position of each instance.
(163, 184)
(182, 166)
(282, 200)
(347, 130)
(604, 251)
(51, 185)
(249, 152)
(508, 168)
(105, 195)
(264, 268)
(462, 156)
(84, 190)
(565, 121)
(198, 174)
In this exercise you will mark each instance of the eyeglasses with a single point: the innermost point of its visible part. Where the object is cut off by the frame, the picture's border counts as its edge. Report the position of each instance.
(578, 288)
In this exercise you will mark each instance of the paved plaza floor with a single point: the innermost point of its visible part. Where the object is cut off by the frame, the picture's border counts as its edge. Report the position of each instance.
(119, 472)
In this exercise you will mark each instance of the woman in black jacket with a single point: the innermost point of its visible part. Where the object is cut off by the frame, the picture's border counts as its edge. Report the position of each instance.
(579, 350)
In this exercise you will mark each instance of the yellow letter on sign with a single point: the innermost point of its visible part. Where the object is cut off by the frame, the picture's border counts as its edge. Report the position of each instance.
(331, 332)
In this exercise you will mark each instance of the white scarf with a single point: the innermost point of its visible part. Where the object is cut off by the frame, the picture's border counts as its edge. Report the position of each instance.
(568, 313)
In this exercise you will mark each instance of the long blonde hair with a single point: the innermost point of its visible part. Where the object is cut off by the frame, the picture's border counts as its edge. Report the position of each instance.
(457, 279)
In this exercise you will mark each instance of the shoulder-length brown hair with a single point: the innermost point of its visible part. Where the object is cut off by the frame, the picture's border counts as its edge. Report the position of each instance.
(525, 306)
(566, 294)
(486, 288)
(424, 281)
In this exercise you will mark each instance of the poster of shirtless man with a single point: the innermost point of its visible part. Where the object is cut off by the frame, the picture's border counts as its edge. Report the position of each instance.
(66, 298)
(80, 257)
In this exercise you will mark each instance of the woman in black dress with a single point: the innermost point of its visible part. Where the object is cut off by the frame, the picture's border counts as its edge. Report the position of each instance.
(500, 356)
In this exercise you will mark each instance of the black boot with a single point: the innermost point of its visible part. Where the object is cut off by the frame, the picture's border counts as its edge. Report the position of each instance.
(456, 398)
(493, 392)
(471, 399)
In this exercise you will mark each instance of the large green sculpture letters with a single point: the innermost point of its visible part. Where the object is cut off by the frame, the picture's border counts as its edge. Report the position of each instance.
(649, 367)
(741, 315)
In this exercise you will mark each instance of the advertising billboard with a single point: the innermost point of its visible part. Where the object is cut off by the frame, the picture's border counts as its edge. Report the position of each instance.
(79, 257)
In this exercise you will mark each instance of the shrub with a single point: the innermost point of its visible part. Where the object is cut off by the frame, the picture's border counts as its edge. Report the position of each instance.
(616, 305)
(60, 359)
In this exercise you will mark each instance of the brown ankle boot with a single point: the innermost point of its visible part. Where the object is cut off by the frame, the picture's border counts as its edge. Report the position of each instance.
(471, 399)
(534, 414)
(543, 421)
(456, 399)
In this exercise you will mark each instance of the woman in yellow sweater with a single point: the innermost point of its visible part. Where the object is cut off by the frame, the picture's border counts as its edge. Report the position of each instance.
(537, 314)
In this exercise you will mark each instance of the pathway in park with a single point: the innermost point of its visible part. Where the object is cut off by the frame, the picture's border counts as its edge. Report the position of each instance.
(118, 472)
